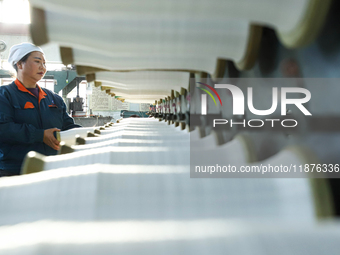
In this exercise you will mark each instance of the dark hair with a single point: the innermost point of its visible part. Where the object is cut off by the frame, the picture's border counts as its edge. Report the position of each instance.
(23, 60)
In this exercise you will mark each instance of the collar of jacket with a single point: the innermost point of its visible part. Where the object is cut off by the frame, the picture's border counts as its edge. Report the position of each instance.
(22, 88)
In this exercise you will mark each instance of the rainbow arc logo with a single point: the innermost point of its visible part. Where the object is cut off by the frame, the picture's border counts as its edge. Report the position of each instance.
(204, 97)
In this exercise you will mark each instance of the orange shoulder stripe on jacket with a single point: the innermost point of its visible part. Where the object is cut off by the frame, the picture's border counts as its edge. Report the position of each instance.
(42, 94)
(22, 88)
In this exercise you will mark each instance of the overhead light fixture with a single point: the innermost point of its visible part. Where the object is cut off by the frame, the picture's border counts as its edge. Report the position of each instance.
(15, 12)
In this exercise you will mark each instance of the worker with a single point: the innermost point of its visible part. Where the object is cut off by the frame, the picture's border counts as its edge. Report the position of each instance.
(29, 115)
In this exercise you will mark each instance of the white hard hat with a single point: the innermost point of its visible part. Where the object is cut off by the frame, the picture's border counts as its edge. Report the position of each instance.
(18, 51)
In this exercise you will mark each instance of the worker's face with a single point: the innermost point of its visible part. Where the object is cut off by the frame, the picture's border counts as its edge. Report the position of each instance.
(34, 68)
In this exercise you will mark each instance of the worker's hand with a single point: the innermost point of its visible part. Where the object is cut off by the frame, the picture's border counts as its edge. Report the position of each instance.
(49, 138)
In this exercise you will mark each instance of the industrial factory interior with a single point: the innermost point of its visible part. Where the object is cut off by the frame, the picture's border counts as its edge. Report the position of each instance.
(169, 127)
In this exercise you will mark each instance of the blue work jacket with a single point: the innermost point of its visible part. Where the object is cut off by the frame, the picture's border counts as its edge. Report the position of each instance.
(23, 119)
